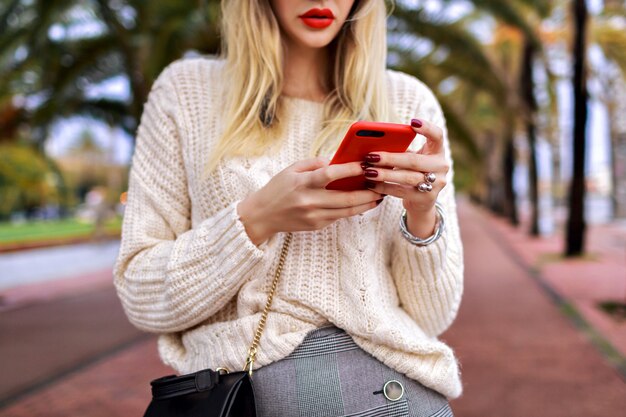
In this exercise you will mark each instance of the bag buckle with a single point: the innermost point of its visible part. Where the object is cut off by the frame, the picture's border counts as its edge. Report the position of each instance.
(206, 380)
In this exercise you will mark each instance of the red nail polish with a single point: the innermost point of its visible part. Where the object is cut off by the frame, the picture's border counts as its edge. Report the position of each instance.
(416, 123)
(365, 165)
(372, 158)
(370, 184)
(371, 173)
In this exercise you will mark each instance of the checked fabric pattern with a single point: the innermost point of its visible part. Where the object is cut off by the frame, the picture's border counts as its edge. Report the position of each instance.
(330, 375)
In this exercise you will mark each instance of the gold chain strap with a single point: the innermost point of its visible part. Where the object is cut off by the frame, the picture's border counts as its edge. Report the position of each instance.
(252, 351)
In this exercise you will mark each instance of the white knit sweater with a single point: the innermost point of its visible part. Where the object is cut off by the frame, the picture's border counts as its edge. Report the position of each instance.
(188, 271)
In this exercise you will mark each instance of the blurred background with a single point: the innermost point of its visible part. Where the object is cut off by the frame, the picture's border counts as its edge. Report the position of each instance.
(534, 92)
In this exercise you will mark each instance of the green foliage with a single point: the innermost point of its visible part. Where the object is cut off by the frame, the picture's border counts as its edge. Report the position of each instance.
(136, 39)
(25, 180)
(612, 38)
(40, 54)
(484, 102)
(58, 230)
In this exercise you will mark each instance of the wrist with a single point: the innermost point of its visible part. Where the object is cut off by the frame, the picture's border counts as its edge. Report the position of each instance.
(422, 223)
(253, 221)
(436, 234)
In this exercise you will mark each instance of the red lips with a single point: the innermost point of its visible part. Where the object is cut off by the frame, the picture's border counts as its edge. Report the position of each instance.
(318, 18)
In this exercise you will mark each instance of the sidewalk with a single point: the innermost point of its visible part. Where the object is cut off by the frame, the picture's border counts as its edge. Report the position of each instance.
(114, 387)
(580, 285)
(520, 355)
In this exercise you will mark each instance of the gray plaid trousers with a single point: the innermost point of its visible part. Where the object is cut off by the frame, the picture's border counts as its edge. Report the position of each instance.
(328, 375)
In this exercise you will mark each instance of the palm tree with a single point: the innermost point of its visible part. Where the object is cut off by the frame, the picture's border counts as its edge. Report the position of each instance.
(576, 227)
(50, 56)
(460, 59)
(607, 33)
(523, 15)
(132, 39)
(532, 48)
(136, 41)
(527, 87)
(488, 70)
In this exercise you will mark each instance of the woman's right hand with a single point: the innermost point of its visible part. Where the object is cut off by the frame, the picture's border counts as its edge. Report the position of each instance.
(296, 200)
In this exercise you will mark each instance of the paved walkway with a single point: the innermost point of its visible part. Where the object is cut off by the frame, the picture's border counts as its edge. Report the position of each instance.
(520, 355)
(579, 283)
(40, 341)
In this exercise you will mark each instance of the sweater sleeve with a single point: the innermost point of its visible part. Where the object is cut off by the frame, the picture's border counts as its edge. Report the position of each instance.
(169, 276)
(429, 279)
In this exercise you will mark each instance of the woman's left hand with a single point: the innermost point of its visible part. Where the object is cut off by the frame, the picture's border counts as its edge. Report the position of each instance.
(400, 175)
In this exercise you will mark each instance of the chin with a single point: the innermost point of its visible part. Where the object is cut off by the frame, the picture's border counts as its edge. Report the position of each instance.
(317, 42)
(314, 40)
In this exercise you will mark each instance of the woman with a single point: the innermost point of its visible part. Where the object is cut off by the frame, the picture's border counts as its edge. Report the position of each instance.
(225, 167)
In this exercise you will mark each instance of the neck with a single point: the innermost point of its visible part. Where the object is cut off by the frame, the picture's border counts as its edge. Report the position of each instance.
(304, 72)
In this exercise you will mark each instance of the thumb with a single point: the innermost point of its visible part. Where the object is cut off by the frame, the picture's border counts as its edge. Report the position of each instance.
(310, 164)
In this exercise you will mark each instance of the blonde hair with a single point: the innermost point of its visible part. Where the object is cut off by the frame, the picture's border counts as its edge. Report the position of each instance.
(253, 50)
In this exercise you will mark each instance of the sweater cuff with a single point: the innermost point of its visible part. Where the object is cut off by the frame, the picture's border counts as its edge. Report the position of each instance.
(216, 257)
(428, 259)
(429, 280)
(228, 236)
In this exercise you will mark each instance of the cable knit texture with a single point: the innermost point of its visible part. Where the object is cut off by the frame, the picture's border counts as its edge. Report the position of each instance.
(188, 271)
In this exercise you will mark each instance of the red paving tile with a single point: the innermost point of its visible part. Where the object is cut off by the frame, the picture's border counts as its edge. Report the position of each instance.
(600, 276)
(520, 356)
(115, 387)
(39, 341)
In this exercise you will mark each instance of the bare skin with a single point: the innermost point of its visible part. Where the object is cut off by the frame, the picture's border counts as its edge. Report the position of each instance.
(296, 199)
(408, 171)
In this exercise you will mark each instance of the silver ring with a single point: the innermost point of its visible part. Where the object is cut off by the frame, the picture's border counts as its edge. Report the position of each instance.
(424, 187)
(430, 177)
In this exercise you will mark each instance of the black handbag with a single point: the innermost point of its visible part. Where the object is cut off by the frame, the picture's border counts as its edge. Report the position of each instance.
(201, 394)
(218, 393)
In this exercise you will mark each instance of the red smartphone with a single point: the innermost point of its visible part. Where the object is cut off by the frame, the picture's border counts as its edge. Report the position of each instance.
(366, 137)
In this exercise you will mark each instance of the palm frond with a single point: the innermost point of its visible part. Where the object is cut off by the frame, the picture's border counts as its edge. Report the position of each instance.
(6, 14)
(612, 40)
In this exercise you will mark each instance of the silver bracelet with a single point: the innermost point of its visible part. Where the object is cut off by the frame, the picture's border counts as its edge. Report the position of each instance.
(439, 228)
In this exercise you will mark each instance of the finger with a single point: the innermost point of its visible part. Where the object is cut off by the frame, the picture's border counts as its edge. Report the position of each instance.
(310, 164)
(325, 175)
(344, 199)
(432, 132)
(409, 194)
(397, 176)
(395, 190)
(341, 213)
(403, 176)
(408, 160)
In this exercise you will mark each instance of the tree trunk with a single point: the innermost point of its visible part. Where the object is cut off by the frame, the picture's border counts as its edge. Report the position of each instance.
(508, 166)
(557, 181)
(494, 186)
(575, 238)
(616, 106)
(618, 168)
(530, 103)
